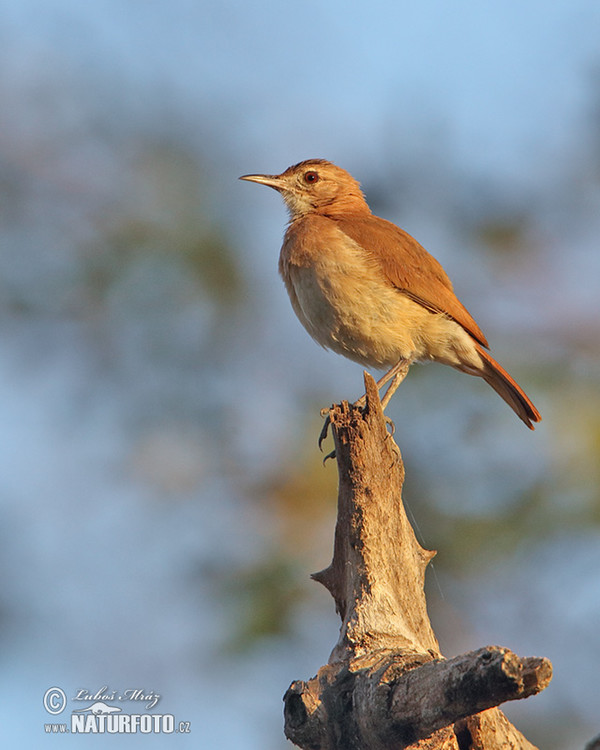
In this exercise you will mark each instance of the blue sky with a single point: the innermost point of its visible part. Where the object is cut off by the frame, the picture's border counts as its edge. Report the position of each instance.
(506, 83)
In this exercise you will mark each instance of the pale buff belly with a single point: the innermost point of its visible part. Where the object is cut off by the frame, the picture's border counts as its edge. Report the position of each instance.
(351, 310)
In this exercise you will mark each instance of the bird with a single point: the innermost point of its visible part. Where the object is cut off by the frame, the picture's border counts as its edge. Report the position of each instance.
(364, 288)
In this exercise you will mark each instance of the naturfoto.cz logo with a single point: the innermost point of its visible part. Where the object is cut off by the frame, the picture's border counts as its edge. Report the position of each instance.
(103, 718)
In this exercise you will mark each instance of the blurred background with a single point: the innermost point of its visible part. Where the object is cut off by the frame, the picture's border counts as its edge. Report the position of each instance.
(162, 497)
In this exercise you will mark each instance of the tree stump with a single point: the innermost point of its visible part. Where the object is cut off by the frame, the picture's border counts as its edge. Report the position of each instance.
(386, 685)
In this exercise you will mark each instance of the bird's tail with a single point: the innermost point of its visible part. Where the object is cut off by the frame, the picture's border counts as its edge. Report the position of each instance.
(506, 387)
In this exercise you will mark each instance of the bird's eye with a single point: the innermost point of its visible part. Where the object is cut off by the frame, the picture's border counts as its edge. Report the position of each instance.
(311, 177)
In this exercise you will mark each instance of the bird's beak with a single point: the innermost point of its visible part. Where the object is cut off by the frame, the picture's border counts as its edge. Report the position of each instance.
(271, 180)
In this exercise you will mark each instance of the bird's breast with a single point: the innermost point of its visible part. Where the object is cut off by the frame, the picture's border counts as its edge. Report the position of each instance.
(342, 298)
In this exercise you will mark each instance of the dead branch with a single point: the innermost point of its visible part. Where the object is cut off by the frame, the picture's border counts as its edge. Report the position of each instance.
(386, 685)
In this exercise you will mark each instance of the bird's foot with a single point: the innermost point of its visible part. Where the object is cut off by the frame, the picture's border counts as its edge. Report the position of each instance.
(327, 414)
(389, 423)
(390, 436)
(329, 455)
(395, 449)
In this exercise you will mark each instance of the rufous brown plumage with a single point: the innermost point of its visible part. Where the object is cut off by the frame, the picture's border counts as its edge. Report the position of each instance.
(364, 288)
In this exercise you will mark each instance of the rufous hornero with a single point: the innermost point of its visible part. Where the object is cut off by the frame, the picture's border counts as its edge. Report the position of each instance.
(364, 288)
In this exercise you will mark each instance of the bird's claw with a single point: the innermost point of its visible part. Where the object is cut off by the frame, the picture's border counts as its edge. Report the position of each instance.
(327, 414)
(391, 424)
(395, 450)
(329, 455)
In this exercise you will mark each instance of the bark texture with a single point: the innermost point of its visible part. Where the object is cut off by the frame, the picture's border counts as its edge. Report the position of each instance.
(386, 685)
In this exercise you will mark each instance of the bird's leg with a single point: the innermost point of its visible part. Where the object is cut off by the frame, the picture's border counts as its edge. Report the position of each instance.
(398, 372)
(401, 371)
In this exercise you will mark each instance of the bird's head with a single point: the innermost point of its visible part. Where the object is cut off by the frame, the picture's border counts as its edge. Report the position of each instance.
(316, 186)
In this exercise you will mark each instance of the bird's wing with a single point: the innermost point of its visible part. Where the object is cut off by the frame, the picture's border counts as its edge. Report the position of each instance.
(410, 268)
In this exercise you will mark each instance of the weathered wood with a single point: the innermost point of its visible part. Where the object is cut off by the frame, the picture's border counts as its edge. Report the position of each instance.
(386, 685)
